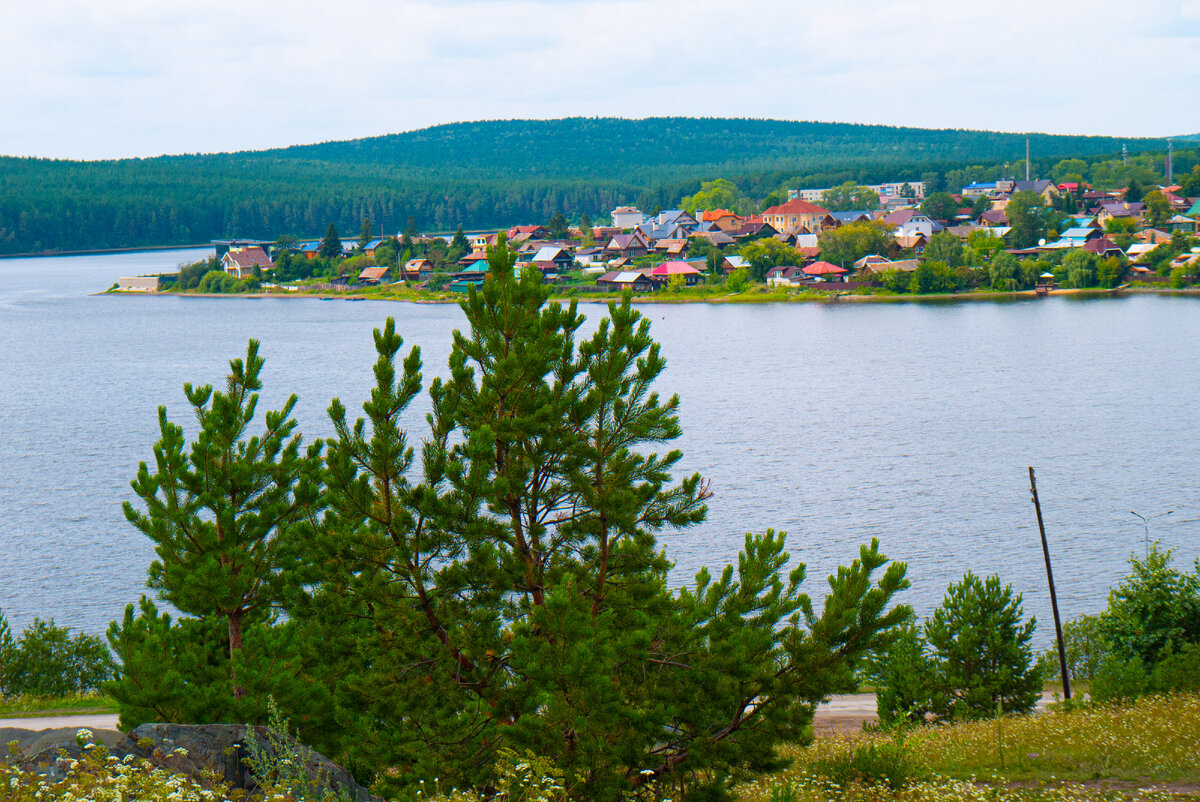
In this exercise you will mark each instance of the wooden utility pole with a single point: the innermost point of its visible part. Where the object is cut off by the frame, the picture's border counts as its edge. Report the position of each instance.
(1062, 651)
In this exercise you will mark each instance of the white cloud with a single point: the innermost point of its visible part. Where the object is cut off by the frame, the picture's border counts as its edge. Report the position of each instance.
(134, 77)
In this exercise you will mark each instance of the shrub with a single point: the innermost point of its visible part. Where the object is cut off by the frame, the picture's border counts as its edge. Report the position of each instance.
(48, 661)
(1178, 278)
(1085, 646)
(870, 764)
(1119, 679)
(905, 680)
(1178, 671)
(438, 280)
(738, 280)
(1155, 610)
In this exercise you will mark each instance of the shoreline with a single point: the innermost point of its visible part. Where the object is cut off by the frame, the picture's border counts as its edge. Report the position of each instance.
(105, 251)
(738, 298)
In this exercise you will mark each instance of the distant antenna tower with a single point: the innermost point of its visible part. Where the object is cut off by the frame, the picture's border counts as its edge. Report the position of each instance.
(1124, 155)
(1170, 162)
(1026, 159)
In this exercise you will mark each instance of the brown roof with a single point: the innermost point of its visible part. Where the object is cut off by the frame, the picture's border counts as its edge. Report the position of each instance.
(374, 272)
(249, 257)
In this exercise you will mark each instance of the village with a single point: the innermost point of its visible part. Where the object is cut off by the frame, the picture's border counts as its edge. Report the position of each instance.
(1007, 235)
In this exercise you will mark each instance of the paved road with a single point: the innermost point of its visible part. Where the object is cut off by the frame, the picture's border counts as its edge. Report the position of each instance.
(847, 706)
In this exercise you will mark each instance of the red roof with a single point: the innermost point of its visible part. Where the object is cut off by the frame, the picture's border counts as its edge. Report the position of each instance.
(249, 257)
(797, 206)
(674, 269)
(824, 269)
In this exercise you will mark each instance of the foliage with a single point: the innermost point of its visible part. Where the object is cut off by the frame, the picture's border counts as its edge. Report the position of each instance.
(1119, 679)
(718, 194)
(873, 763)
(946, 248)
(1178, 279)
(1110, 271)
(438, 280)
(738, 280)
(489, 174)
(939, 206)
(354, 265)
(1026, 215)
(1080, 266)
(218, 281)
(331, 244)
(216, 514)
(981, 648)
(763, 254)
(904, 679)
(848, 197)
(1152, 740)
(518, 582)
(847, 244)
(932, 277)
(1084, 645)
(1155, 610)
(46, 661)
(190, 274)
(283, 762)
(1158, 208)
(1004, 272)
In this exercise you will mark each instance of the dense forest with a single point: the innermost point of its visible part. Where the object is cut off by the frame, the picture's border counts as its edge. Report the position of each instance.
(486, 174)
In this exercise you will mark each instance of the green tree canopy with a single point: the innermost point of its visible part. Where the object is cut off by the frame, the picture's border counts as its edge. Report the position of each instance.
(331, 245)
(847, 244)
(850, 196)
(763, 254)
(940, 206)
(1025, 212)
(717, 194)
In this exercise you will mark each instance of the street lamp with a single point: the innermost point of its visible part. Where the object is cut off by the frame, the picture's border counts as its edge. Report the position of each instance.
(1146, 525)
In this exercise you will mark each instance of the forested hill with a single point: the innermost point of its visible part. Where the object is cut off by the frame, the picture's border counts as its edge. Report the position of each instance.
(480, 174)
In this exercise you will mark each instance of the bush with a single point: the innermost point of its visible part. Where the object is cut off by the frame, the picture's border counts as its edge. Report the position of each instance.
(1119, 679)
(1085, 646)
(1155, 610)
(905, 680)
(438, 280)
(738, 280)
(1178, 278)
(871, 764)
(48, 661)
(1178, 671)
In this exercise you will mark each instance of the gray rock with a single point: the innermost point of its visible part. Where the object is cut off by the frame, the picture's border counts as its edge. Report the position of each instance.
(222, 748)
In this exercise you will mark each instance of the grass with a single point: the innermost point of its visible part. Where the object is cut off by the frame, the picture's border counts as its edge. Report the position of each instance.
(1140, 750)
(32, 707)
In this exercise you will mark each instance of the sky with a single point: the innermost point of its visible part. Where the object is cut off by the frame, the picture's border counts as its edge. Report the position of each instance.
(96, 79)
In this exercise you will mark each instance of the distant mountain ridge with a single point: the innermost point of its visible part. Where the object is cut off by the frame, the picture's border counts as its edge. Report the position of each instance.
(602, 144)
(481, 174)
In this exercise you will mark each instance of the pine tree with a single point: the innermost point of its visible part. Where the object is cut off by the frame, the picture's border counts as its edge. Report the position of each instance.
(364, 235)
(331, 245)
(459, 247)
(217, 513)
(514, 593)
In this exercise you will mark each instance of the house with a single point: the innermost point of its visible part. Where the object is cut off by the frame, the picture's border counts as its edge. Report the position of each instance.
(224, 246)
(754, 229)
(369, 248)
(824, 271)
(481, 242)
(671, 247)
(865, 262)
(806, 241)
(624, 217)
(1120, 211)
(874, 266)
(628, 246)
(993, 217)
(604, 233)
(797, 216)
(373, 275)
(416, 270)
(1041, 186)
(732, 263)
(530, 232)
(846, 218)
(785, 276)
(1103, 247)
(551, 259)
(718, 238)
(629, 280)
(310, 250)
(910, 222)
(1187, 225)
(1138, 251)
(241, 262)
(723, 219)
(668, 270)
(912, 242)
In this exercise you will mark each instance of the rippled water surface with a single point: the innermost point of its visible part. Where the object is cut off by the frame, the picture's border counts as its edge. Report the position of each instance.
(837, 423)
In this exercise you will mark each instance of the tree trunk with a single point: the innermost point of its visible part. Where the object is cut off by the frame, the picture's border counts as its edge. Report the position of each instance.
(235, 645)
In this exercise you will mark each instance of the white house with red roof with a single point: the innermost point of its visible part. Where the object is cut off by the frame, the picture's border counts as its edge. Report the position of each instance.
(240, 262)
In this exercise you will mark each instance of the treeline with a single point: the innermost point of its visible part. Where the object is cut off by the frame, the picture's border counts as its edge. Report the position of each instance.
(488, 174)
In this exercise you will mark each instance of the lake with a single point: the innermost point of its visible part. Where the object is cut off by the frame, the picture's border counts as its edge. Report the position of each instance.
(912, 423)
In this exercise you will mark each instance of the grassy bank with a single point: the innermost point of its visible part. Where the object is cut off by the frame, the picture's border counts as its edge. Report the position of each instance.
(1148, 749)
(32, 707)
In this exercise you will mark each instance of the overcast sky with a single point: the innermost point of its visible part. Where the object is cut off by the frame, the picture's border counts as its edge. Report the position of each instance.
(114, 78)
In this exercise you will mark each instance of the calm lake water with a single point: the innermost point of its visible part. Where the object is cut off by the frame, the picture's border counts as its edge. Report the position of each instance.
(913, 423)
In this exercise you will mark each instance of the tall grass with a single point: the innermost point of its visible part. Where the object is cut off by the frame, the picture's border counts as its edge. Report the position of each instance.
(1062, 754)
